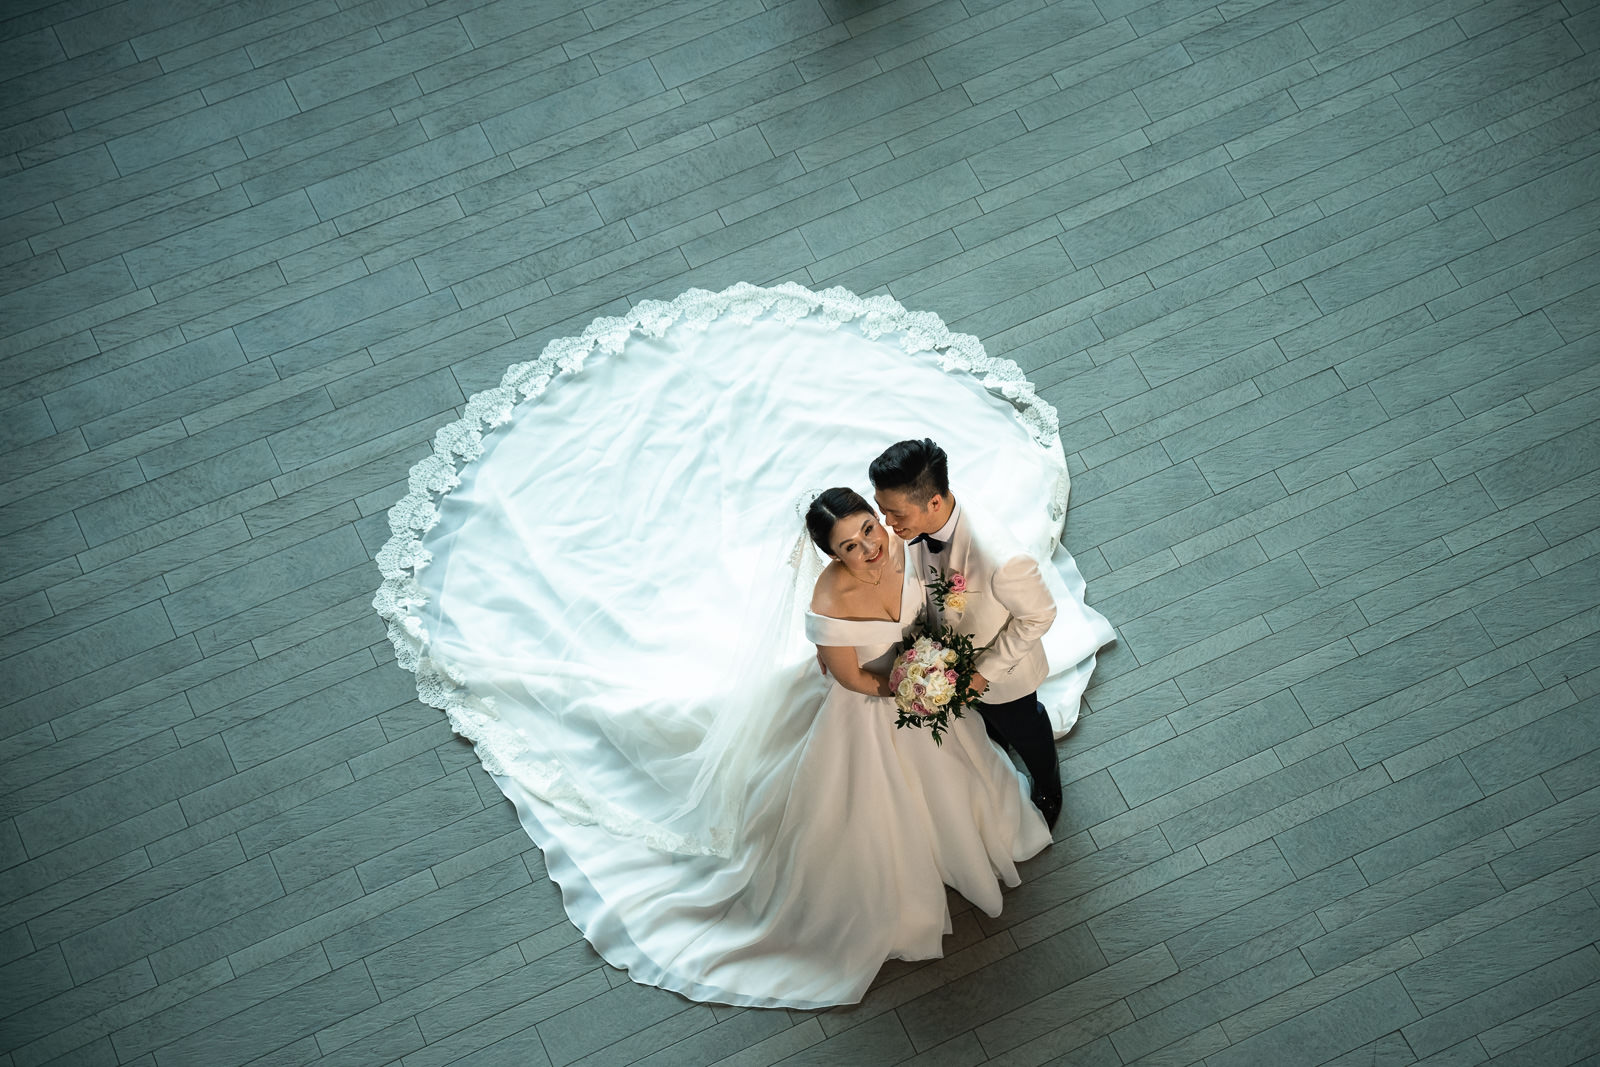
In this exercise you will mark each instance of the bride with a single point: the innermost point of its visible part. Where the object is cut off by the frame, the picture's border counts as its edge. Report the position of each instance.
(957, 813)
(601, 576)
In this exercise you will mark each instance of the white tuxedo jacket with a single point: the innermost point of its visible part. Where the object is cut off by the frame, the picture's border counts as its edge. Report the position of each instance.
(1008, 608)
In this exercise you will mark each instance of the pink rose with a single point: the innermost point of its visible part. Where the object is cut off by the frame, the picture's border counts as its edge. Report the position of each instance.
(920, 708)
(897, 676)
(911, 655)
(958, 583)
(951, 677)
(919, 689)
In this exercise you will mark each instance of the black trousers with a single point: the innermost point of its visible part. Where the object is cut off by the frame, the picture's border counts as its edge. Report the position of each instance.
(1023, 726)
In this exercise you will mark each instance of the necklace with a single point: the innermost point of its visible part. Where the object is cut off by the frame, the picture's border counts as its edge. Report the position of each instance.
(862, 580)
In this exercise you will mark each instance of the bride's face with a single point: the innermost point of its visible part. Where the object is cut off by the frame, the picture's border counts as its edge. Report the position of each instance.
(859, 542)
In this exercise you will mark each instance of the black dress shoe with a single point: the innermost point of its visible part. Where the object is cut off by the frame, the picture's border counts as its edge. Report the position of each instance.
(1049, 807)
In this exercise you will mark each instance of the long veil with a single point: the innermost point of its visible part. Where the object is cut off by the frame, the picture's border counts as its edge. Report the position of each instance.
(662, 665)
(608, 598)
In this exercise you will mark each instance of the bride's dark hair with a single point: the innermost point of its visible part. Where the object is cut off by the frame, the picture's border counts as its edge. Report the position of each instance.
(828, 508)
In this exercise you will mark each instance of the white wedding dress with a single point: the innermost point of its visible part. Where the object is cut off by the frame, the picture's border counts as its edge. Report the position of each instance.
(842, 861)
(601, 576)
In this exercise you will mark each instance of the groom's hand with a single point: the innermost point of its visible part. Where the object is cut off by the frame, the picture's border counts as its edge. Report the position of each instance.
(979, 683)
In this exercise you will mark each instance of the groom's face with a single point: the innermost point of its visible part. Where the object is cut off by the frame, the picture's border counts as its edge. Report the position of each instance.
(908, 515)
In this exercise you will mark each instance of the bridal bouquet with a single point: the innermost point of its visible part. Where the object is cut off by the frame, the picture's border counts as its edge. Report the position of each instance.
(932, 680)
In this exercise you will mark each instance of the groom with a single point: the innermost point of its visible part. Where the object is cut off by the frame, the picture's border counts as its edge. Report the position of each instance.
(1008, 605)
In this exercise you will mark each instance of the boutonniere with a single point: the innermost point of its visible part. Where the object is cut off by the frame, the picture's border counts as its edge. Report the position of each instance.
(949, 591)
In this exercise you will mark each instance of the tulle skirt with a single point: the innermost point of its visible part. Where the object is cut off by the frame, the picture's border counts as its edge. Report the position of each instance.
(843, 865)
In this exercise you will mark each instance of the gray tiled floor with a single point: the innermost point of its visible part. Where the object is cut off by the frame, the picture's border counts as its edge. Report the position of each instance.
(1315, 285)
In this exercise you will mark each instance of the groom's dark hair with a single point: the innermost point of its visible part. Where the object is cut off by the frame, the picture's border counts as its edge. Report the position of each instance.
(916, 467)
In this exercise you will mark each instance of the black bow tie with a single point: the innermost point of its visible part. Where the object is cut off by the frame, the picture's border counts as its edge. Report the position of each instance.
(935, 545)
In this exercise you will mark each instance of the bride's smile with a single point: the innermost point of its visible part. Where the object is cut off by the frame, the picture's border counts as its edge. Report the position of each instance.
(858, 542)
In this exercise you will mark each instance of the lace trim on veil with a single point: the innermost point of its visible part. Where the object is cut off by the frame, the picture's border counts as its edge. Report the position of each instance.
(502, 749)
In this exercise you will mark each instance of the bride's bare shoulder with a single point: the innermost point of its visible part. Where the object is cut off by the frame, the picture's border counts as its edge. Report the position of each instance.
(825, 594)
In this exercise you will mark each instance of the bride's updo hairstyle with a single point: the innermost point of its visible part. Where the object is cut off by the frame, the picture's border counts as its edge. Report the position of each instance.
(827, 509)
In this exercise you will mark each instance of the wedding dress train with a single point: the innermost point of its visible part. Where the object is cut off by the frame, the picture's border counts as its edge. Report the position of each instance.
(600, 575)
(842, 863)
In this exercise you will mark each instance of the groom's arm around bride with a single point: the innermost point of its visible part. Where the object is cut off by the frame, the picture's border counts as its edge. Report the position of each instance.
(1018, 610)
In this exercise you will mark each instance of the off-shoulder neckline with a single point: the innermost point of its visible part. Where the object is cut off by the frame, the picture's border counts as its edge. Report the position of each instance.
(905, 574)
